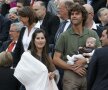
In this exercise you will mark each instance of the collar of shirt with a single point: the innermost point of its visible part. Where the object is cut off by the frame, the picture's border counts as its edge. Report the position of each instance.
(94, 26)
(39, 23)
(85, 31)
(67, 25)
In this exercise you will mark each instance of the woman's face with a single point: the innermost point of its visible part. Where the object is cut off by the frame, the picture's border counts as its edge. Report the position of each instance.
(40, 40)
(24, 20)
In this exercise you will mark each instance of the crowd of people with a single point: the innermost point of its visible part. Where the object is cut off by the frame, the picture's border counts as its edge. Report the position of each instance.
(53, 44)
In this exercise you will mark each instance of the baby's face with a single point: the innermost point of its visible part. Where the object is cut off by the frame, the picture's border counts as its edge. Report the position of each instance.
(90, 43)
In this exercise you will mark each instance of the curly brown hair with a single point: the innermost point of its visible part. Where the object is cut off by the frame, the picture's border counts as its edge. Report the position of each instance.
(79, 8)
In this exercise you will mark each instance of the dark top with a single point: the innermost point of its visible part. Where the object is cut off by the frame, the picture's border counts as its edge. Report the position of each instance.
(50, 25)
(4, 28)
(5, 45)
(7, 80)
(97, 78)
(19, 49)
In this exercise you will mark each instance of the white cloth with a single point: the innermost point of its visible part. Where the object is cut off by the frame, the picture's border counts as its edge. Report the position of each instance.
(27, 37)
(67, 25)
(33, 74)
(72, 59)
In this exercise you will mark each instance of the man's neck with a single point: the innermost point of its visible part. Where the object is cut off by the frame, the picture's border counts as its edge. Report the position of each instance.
(78, 29)
(89, 25)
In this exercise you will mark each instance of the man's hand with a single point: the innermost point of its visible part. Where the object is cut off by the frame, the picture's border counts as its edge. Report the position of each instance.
(80, 71)
(80, 62)
(79, 66)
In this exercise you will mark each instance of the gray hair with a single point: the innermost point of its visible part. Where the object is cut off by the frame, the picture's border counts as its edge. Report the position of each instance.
(100, 10)
(18, 25)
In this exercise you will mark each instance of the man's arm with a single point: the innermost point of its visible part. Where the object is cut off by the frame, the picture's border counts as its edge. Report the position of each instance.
(62, 64)
(59, 62)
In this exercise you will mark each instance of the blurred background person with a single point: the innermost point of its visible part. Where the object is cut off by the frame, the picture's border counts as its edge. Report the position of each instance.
(4, 29)
(14, 32)
(90, 23)
(27, 17)
(13, 15)
(63, 8)
(47, 21)
(103, 16)
(52, 6)
(97, 4)
(97, 76)
(82, 2)
(7, 80)
(21, 3)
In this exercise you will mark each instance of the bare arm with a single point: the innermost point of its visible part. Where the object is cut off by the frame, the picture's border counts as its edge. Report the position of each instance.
(59, 62)
(62, 64)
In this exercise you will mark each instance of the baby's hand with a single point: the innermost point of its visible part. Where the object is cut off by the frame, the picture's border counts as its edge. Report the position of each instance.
(86, 54)
(70, 61)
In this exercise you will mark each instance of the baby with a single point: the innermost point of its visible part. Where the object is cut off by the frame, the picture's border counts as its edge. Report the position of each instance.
(86, 52)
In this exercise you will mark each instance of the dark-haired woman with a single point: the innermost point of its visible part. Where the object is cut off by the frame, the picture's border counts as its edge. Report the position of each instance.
(39, 64)
(27, 17)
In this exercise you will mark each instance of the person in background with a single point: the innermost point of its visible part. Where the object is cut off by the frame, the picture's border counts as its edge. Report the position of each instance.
(90, 23)
(103, 16)
(63, 8)
(52, 6)
(27, 17)
(82, 2)
(14, 32)
(46, 21)
(13, 15)
(7, 80)
(5, 7)
(21, 3)
(1, 2)
(97, 76)
(97, 4)
(4, 29)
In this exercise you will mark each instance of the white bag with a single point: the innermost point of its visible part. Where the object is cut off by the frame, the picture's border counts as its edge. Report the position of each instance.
(52, 85)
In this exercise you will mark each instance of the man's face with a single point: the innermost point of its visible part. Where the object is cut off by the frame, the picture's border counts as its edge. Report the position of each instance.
(13, 33)
(62, 11)
(104, 16)
(19, 6)
(39, 11)
(104, 38)
(76, 18)
(12, 16)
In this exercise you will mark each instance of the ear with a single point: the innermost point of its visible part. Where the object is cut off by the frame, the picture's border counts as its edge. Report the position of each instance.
(99, 18)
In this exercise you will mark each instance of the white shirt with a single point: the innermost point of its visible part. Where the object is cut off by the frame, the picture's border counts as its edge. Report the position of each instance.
(94, 26)
(27, 37)
(39, 23)
(67, 25)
